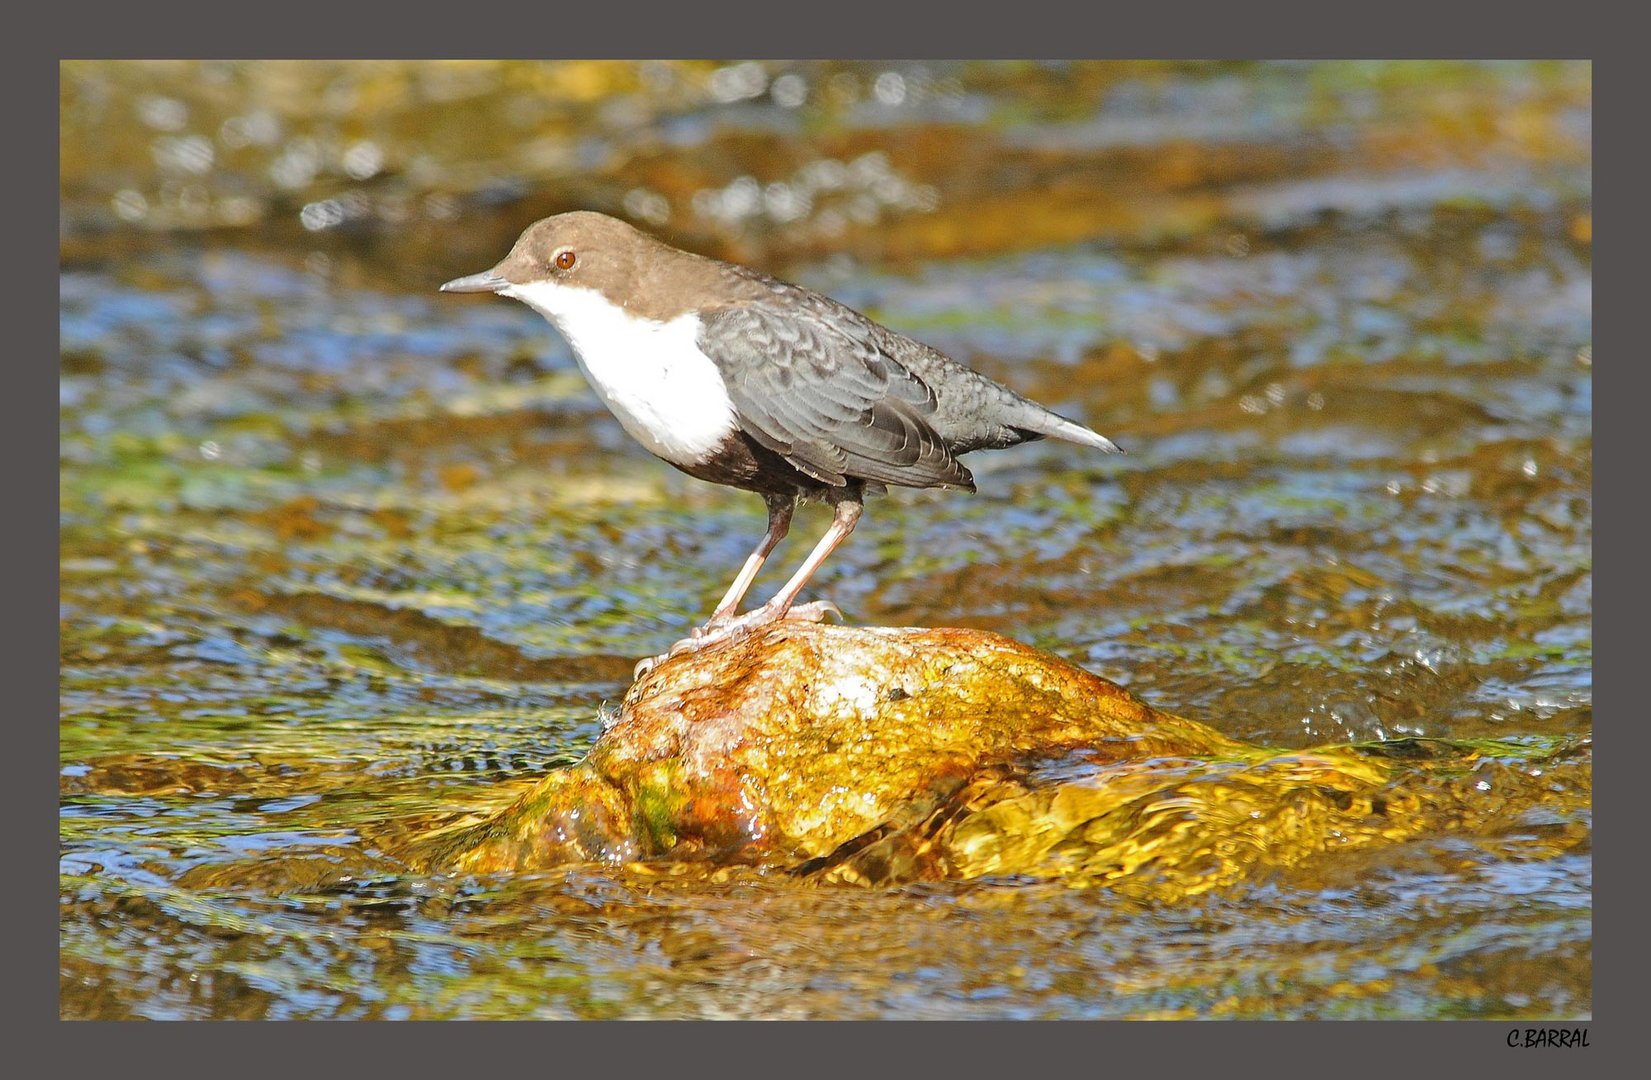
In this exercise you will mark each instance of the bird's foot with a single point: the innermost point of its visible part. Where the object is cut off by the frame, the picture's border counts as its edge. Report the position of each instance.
(721, 629)
(735, 626)
(815, 611)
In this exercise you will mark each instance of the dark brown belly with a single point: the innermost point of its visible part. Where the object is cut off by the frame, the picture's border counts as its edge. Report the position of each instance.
(741, 462)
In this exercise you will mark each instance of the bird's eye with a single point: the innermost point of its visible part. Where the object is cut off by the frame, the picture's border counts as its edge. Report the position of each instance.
(565, 260)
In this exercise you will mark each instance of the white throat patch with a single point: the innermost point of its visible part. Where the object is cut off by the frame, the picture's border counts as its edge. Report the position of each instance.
(650, 374)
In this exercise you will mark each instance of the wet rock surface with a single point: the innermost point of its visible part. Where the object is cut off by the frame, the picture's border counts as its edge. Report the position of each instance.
(882, 755)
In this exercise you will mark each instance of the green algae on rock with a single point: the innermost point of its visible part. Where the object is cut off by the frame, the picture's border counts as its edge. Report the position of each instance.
(881, 755)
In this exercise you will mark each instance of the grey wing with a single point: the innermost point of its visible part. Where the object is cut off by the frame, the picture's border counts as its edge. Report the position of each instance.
(816, 390)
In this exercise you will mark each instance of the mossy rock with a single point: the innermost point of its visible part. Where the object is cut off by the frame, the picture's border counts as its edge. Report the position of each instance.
(881, 755)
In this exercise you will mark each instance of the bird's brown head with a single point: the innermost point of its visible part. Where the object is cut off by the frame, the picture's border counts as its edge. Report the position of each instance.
(581, 250)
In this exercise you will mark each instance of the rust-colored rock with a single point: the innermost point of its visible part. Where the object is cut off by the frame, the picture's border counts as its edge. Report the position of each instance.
(872, 754)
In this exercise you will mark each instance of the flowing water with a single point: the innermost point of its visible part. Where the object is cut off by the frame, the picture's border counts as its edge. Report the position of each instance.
(340, 555)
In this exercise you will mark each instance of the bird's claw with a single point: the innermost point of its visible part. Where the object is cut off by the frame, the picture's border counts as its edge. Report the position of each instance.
(815, 611)
(730, 627)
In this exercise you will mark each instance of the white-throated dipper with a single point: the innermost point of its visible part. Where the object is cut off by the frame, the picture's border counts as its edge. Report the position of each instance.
(740, 379)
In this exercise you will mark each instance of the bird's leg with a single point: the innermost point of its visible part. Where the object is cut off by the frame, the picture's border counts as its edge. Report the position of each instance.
(780, 509)
(847, 510)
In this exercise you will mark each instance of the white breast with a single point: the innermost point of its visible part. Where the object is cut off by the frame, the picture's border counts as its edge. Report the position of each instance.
(650, 374)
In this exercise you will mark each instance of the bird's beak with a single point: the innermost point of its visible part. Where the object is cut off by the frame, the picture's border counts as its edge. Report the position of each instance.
(486, 281)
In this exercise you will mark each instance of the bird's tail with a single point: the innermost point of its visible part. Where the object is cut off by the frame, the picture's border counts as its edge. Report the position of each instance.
(1059, 427)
